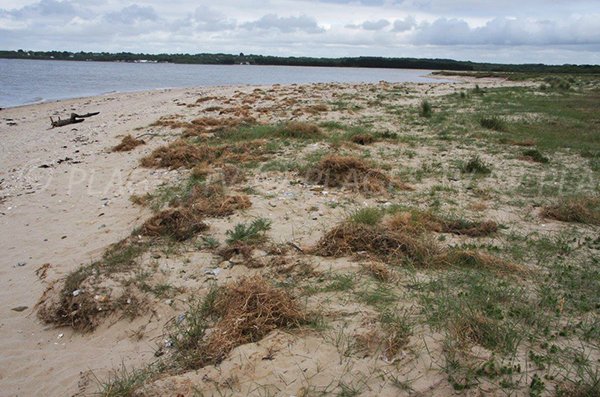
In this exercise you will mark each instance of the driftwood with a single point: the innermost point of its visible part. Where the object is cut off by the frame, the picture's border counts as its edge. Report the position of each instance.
(74, 119)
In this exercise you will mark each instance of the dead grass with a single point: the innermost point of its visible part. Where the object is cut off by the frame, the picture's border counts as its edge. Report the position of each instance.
(210, 200)
(200, 171)
(173, 122)
(469, 228)
(581, 209)
(82, 299)
(362, 139)
(405, 237)
(184, 154)
(178, 223)
(232, 175)
(245, 312)
(418, 221)
(205, 125)
(316, 108)
(249, 310)
(299, 129)
(128, 143)
(349, 172)
(176, 155)
(379, 271)
(222, 206)
(353, 238)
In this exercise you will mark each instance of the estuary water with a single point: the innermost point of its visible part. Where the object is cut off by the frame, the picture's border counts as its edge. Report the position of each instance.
(30, 81)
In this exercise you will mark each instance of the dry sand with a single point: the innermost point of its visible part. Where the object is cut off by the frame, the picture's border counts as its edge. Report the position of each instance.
(64, 198)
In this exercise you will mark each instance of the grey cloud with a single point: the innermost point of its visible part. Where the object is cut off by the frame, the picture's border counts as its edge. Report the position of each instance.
(285, 24)
(132, 13)
(406, 24)
(370, 25)
(509, 31)
(375, 25)
(362, 2)
(43, 8)
(210, 20)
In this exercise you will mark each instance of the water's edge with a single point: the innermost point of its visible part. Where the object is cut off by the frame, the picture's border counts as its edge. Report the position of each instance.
(28, 82)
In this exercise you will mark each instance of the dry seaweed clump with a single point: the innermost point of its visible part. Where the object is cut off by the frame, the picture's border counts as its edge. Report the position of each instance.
(362, 139)
(426, 221)
(232, 175)
(387, 244)
(404, 237)
(350, 172)
(299, 129)
(178, 223)
(90, 293)
(128, 143)
(211, 200)
(176, 155)
(243, 312)
(184, 154)
(205, 125)
(582, 209)
(469, 228)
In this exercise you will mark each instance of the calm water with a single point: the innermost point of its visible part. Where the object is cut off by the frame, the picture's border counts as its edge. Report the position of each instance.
(29, 81)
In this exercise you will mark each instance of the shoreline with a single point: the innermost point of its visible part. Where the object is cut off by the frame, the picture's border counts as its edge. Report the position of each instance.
(184, 76)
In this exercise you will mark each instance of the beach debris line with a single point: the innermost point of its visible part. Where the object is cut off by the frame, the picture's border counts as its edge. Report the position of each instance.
(74, 119)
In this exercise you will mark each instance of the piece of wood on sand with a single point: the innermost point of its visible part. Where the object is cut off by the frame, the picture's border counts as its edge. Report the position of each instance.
(74, 119)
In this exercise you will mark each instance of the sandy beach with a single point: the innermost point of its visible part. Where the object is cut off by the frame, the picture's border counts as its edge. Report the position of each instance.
(65, 197)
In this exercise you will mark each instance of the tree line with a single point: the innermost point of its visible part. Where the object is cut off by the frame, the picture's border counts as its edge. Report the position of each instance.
(365, 62)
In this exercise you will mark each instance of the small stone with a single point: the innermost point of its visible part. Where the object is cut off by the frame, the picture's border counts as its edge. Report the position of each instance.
(100, 298)
(225, 265)
(21, 264)
(19, 308)
(76, 292)
(213, 272)
(237, 259)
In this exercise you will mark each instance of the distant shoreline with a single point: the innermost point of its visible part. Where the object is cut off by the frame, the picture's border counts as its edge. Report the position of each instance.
(251, 59)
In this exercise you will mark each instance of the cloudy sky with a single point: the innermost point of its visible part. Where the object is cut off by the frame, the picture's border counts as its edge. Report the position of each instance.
(514, 31)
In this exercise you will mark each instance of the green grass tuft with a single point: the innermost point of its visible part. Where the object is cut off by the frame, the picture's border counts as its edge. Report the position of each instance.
(368, 216)
(248, 233)
(476, 166)
(493, 123)
(426, 109)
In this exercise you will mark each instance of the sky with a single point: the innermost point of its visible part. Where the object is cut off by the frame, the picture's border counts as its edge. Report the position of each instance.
(503, 31)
